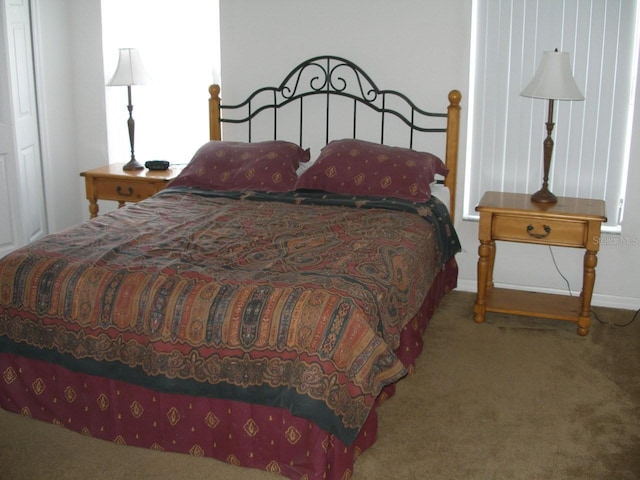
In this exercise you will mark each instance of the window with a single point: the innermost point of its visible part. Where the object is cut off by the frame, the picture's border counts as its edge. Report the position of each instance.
(179, 45)
(592, 138)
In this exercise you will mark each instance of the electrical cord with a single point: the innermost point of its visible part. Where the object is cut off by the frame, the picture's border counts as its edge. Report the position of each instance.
(592, 311)
(617, 324)
(559, 272)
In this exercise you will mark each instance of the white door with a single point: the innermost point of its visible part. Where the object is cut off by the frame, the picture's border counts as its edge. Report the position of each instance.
(22, 207)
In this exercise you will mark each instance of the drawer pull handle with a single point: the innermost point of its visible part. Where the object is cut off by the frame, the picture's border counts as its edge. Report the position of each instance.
(123, 194)
(546, 228)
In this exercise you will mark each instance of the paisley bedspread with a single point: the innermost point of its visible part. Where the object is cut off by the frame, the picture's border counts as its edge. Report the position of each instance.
(293, 300)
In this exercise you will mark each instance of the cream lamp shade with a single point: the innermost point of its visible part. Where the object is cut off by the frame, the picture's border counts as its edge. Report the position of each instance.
(553, 79)
(130, 70)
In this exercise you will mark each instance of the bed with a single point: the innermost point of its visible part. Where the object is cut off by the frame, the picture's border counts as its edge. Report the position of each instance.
(259, 308)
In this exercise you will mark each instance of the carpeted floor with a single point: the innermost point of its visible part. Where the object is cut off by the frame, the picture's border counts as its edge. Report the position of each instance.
(514, 398)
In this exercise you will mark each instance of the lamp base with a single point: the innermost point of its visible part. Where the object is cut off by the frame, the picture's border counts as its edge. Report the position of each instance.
(132, 165)
(544, 196)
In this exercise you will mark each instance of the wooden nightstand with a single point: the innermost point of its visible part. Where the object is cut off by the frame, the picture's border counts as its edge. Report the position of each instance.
(512, 217)
(112, 183)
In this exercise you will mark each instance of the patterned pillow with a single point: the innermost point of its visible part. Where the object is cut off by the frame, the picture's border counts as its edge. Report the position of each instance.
(357, 167)
(238, 166)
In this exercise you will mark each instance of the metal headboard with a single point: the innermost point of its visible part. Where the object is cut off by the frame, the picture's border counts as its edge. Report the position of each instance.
(329, 77)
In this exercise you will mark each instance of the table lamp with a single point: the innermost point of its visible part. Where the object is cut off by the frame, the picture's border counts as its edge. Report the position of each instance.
(130, 71)
(552, 81)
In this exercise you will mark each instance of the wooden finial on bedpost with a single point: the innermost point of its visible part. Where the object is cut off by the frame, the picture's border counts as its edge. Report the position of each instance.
(453, 134)
(214, 113)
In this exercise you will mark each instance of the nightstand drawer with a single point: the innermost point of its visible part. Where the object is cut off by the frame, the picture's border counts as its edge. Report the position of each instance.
(122, 190)
(531, 229)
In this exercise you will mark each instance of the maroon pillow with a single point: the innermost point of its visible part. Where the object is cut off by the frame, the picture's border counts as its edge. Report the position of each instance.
(238, 166)
(357, 167)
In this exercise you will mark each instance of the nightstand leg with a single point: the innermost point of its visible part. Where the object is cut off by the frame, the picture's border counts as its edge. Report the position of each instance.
(486, 251)
(588, 281)
(93, 208)
(492, 261)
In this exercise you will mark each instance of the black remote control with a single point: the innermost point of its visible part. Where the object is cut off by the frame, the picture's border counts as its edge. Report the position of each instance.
(156, 164)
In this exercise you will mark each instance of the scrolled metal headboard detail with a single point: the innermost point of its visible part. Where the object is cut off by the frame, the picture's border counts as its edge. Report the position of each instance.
(331, 76)
(329, 80)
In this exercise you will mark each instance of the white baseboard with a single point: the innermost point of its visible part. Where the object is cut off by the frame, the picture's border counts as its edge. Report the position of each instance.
(598, 300)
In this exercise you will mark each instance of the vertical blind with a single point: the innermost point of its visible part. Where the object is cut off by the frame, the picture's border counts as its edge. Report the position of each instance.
(592, 137)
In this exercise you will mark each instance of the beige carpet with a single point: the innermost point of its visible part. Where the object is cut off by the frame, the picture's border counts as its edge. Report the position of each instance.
(515, 398)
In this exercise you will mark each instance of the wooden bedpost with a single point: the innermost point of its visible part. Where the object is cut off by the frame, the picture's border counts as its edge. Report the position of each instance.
(453, 136)
(215, 132)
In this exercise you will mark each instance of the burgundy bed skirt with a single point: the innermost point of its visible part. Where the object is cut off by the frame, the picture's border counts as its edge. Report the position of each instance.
(238, 433)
